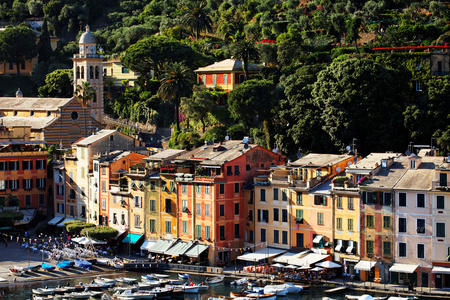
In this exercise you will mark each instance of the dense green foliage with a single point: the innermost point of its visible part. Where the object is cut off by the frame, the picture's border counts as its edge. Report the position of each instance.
(75, 227)
(7, 218)
(323, 83)
(100, 233)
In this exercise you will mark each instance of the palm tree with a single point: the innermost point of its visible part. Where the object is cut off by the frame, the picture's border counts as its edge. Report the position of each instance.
(244, 50)
(84, 92)
(196, 17)
(176, 82)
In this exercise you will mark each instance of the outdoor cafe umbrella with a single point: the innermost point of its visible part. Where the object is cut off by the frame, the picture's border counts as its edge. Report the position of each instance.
(277, 265)
(291, 267)
(317, 269)
(328, 265)
(304, 268)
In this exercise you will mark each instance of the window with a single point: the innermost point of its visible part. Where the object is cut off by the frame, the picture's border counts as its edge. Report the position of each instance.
(204, 79)
(236, 170)
(71, 194)
(184, 188)
(27, 200)
(318, 172)
(60, 190)
(420, 225)
(420, 251)
(284, 215)
(27, 184)
(299, 200)
(276, 214)
(284, 237)
(229, 171)
(300, 240)
(199, 209)
(207, 232)
(402, 249)
(222, 232)
(263, 235)
(103, 203)
(369, 221)
(103, 186)
(320, 200)
(152, 185)
(72, 210)
(236, 188)
(137, 221)
(236, 230)
(168, 205)
(319, 218)
(152, 225)
(82, 172)
(339, 223)
(152, 205)
(387, 199)
(27, 165)
(284, 195)
(350, 203)
(41, 200)
(275, 194)
(125, 70)
(248, 167)
(40, 164)
(262, 193)
(184, 205)
(276, 236)
(236, 208)
(299, 215)
(419, 84)
(371, 197)
(221, 210)
(339, 202)
(369, 247)
(250, 236)
(70, 177)
(207, 210)
(137, 201)
(13, 165)
(3, 166)
(199, 189)
(420, 200)
(221, 189)
(207, 189)
(440, 202)
(386, 248)
(225, 78)
(402, 199)
(2, 185)
(440, 229)
(350, 224)
(198, 231)
(402, 224)
(214, 78)
(386, 222)
(172, 186)
(168, 226)
(60, 208)
(263, 215)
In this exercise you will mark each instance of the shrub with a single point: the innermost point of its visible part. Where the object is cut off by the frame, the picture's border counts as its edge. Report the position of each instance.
(340, 179)
(100, 233)
(76, 226)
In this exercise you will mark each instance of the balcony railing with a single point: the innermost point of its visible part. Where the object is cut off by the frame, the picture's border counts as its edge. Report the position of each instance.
(441, 186)
(24, 153)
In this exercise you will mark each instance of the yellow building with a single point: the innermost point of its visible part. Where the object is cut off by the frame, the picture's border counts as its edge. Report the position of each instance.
(168, 203)
(115, 73)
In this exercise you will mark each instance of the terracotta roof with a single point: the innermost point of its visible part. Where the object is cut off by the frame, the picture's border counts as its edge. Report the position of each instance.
(169, 153)
(386, 178)
(227, 65)
(33, 122)
(420, 178)
(320, 160)
(32, 103)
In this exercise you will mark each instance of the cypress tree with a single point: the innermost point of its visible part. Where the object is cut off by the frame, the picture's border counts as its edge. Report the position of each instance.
(44, 47)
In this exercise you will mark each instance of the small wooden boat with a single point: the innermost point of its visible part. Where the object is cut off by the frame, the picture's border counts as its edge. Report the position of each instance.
(43, 291)
(48, 267)
(47, 297)
(106, 281)
(149, 284)
(239, 282)
(147, 277)
(174, 281)
(160, 275)
(188, 289)
(16, 272)
(214, 280)
(126, 280)
(183, 276)
(121, 289)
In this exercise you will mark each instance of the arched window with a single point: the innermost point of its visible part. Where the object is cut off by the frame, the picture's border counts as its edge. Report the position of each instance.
(82, 72)
(75, 130)
(91, 72)
(96, 73)
(78, 72)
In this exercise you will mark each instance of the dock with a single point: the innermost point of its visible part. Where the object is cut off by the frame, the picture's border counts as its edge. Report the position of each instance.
(336, 289)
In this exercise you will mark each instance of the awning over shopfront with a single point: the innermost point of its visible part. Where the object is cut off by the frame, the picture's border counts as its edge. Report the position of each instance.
(196, 250)
(403, 268)
(318, 238)
(286, 257)
(307, 260)
(147, 244)
(85, 241)
(365, 265)
(440, 270)
(179, 248)
(261, 254)
(132, 238)
(160, 246)
(55, 220)
(120, 232)
(65, 221)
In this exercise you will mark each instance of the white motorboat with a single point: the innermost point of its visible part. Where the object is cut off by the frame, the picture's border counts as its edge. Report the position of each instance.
(147, 277)
(202, 287)
(188, 289)
(43, 291)
(289, 287)
(126, 280)
(129, 295)
(239, 282)
(149, 284)
(354, 297)
(21, 269)
(118, 264)
(121, 289)
(174, 281)
(78, 295)
(279, 291)
(48, 297)
(103, 261)
(108, 281)
(183, 276)
(160, 275)
(214, 280)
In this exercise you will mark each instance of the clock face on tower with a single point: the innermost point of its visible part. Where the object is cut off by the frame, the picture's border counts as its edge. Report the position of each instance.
(74, 115)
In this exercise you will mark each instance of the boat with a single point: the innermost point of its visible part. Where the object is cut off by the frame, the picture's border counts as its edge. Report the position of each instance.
(16, 272)
(121, 289)
(47, 267)
(22, 269)
(202, 287)
(78, 295)
(214, 280)
(147, 277)
(239, 282)
(149, 284)
(291, 288)
(118, 264)
(47, 297)
(129, 295)
(108, 281)
(279, 291)
(160, 275)
(251, 296)
(183, 276)
(92, 286)
(365, 296)
(82, 263)
(173, 281)
(63, 266)
(164, 281)
(43, 291)
(188, 289)
(126, 280)
(103, 262)
(34, 268)
(161, 292)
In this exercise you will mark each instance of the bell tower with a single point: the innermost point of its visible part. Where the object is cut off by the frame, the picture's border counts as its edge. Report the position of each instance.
(88, 66)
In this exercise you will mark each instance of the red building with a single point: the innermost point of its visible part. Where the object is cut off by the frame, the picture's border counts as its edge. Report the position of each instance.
(210, 182)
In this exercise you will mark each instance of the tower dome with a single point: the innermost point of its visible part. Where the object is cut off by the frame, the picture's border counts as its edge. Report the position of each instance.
(87, 37)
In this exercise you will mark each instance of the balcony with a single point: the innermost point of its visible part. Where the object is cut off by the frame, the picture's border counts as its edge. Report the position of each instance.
(23, 153)
(441, 186)
(88, 56)
(261, 180)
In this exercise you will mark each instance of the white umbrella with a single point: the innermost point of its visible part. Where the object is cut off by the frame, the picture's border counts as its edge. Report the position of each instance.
(328, 265)
(317, 269)
(304, 268)
(277, 265)
(291, 267)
